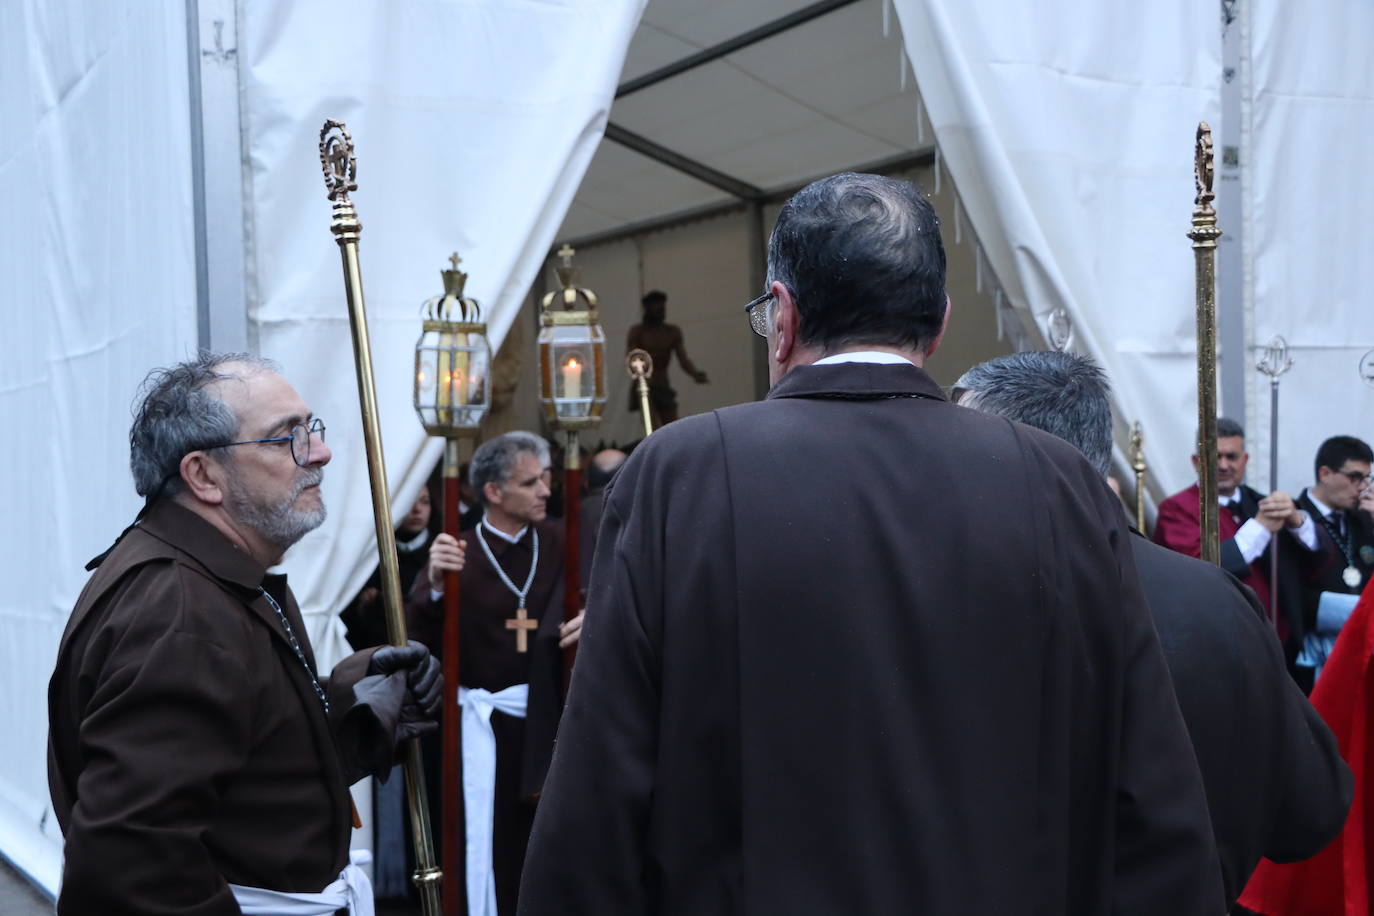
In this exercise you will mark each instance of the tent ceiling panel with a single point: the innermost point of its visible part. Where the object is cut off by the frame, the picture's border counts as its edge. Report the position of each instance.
(821, 96)
(622, 187)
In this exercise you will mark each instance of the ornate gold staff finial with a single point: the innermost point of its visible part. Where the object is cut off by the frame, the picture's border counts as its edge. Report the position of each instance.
(1204, 234)
(1138, 465)
(640, 365)
(340, 165)
(1060, 329)
(1202, 171)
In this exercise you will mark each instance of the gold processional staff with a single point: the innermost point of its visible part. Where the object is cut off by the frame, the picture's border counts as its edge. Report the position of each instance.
(340, 174)
(640, 365)
(1204, 235)
(1138, 465)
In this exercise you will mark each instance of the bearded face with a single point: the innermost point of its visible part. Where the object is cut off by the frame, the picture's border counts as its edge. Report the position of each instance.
(280, 520)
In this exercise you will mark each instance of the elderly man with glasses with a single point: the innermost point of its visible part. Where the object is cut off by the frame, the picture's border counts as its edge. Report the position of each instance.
(198, 760)
(854, 649)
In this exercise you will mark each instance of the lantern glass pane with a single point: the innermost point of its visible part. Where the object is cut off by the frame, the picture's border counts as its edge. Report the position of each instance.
(426, 376)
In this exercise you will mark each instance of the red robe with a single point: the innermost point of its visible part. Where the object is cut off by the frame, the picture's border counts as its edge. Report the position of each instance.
(1178, 527)
(1334, 882)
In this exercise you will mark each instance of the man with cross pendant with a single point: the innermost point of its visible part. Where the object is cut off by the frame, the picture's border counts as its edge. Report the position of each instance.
(511, 575)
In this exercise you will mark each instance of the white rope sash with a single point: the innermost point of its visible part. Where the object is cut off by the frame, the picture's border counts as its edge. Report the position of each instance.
(479, 785)
(352, 891)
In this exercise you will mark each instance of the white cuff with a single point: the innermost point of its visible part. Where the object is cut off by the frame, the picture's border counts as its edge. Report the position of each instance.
(1306, 532)
(1251, 540)
(435, 595)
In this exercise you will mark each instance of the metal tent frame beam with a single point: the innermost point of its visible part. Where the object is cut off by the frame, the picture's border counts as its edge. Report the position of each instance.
(900, 163)
(731, 45)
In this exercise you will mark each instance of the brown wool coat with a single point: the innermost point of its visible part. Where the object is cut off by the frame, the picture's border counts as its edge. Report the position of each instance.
(187, 747)
(854, 649)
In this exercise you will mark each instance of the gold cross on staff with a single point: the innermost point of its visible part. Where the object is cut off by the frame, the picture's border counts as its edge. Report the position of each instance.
(521, 624)
(566, 253)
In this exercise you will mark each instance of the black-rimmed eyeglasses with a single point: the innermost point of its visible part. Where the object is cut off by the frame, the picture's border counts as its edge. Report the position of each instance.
(758, 318)
(1355, 477)
(300, 437)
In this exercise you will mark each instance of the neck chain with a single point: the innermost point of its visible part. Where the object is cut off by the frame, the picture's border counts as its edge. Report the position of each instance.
(296, 647)
(520, 593)
(1351, 574)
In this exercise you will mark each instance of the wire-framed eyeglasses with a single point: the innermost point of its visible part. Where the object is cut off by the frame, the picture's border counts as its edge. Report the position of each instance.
(299, 438)
(758, 318)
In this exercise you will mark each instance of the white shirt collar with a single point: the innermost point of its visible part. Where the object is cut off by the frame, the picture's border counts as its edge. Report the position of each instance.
(863, 356)
(1325, 509)
(415, 543)
(508, 538)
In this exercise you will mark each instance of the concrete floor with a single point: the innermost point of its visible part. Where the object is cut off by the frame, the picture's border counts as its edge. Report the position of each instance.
(18, 897)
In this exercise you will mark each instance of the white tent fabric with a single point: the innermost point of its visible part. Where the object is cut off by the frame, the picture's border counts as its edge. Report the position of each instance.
(1307, 132)
(474, 122)
(90, 204)
(1071, 148)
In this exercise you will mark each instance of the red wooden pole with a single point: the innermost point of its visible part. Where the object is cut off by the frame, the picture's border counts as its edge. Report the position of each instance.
(572, 547)
(452, 836)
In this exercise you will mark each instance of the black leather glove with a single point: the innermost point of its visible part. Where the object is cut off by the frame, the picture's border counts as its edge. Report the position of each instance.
(424, 675)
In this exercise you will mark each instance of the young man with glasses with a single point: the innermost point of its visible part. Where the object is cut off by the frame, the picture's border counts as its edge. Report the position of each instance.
(197, 758)
(854, 649)
(1342, 504)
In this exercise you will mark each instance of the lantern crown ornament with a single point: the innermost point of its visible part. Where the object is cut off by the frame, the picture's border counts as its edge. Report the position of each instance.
(572, 352)
(452, 360)
(569, 293)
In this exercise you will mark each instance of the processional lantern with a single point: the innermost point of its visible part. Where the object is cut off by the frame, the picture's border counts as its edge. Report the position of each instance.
(452, 361)
(572, 387)
(572, 353)
(452, 395)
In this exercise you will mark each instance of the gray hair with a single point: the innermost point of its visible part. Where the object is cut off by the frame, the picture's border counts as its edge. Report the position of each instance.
(494, 460)
(177, 411)
(1226, 429)
(1229, 429)
(1063, 394)
(862, 257)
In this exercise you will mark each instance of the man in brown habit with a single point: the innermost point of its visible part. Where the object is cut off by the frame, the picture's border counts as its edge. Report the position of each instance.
(199, 762)
(511, 568)
(904, 664)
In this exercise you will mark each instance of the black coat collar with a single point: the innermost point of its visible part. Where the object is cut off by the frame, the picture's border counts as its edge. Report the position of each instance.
(857, 381)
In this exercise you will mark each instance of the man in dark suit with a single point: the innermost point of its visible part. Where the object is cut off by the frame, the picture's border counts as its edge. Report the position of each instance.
(1342, 504)
(1276, 785)
(1248, 523)
(804, 687)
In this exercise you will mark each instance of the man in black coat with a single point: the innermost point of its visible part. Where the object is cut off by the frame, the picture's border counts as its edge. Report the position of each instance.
(1276, 784)
(1342, 505)
(805, 688)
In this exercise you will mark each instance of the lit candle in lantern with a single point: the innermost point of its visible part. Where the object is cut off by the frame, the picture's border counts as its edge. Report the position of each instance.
(572, 378)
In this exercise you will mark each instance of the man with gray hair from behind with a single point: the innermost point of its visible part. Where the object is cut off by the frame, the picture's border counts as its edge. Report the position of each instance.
(198, 760)
(1276, 785)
